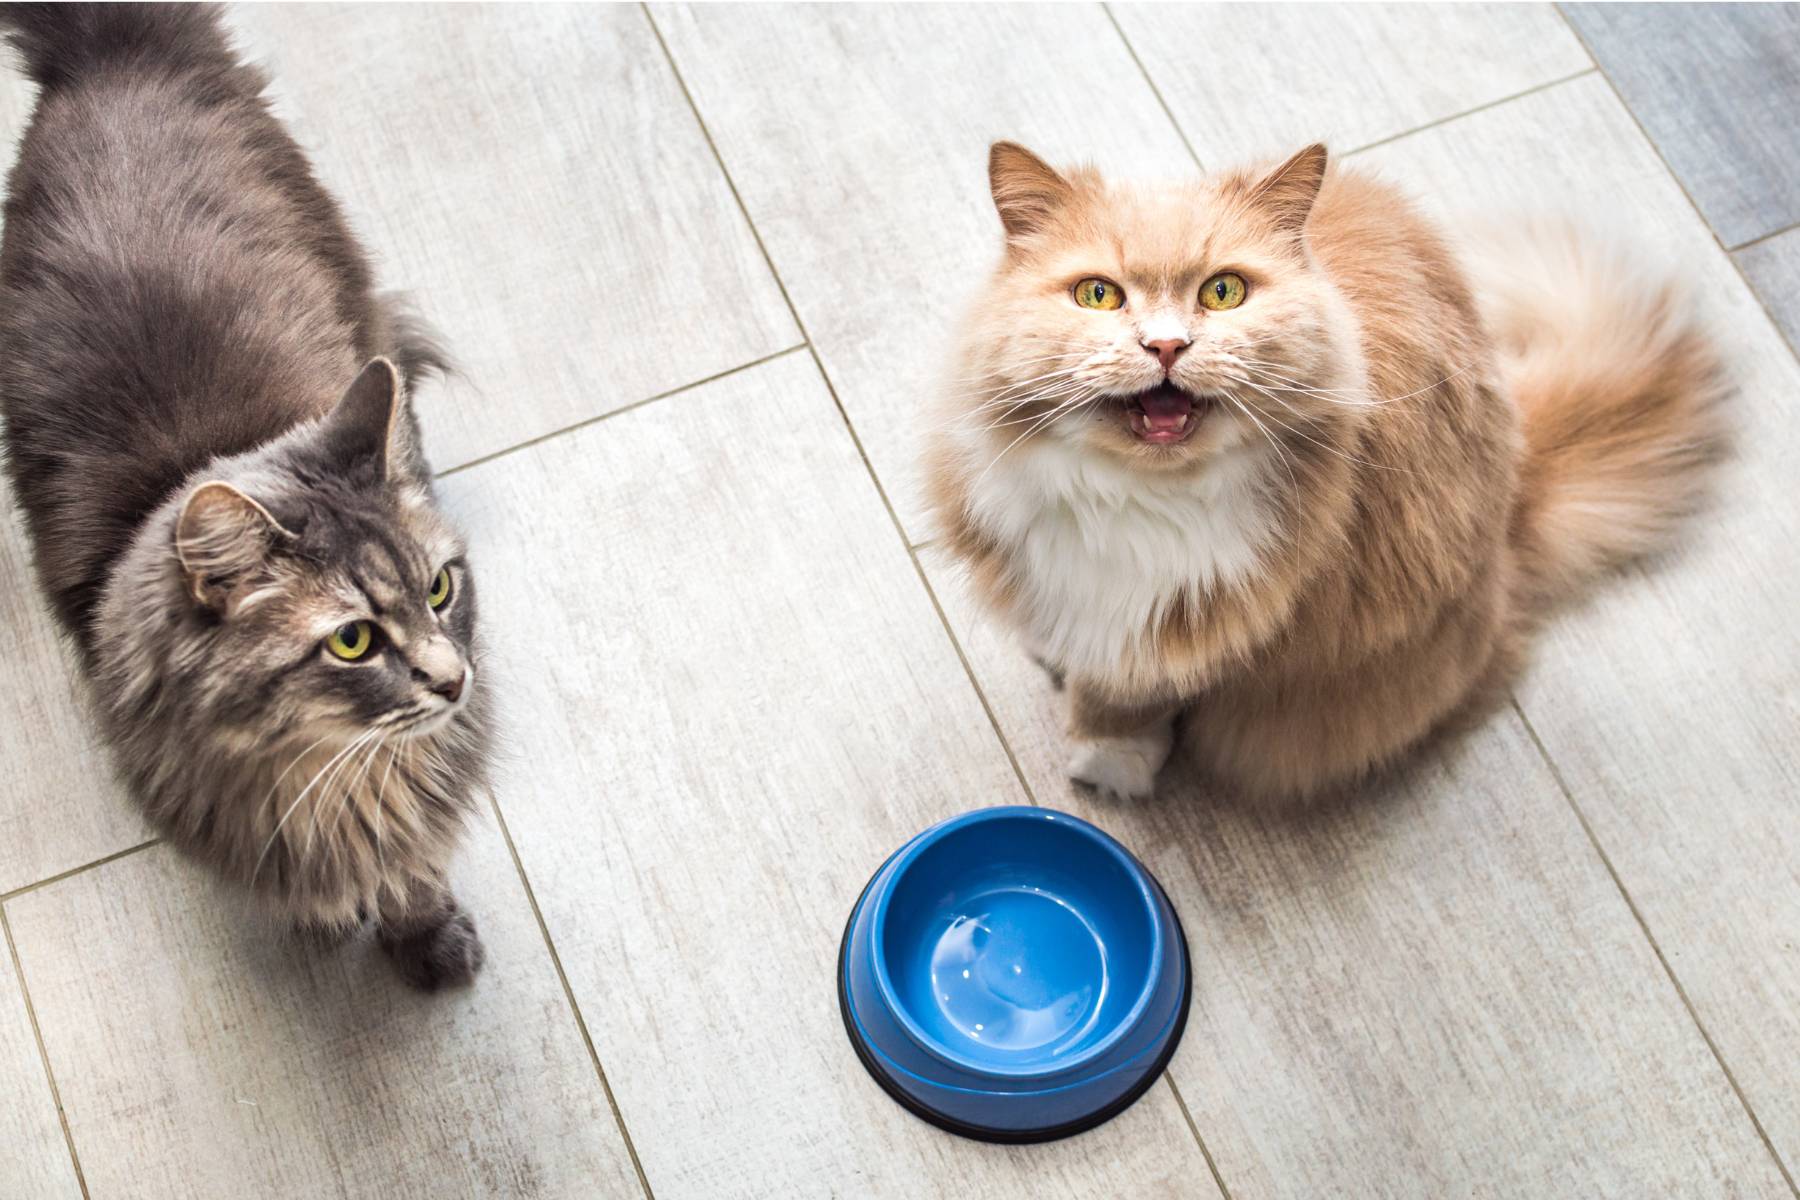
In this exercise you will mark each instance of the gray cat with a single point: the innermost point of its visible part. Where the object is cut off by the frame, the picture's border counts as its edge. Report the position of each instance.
(234, 523)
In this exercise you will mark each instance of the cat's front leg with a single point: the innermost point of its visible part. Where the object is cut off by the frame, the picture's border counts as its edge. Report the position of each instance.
(1118, 747)
(431, 941)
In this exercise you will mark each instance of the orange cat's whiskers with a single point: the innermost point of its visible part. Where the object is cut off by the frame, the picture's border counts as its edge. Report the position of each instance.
(1295, 413)
(1060, 410)
(1274, 443)
(1021, 389)
(1064, 408)
(986, 377)
(1363, 400)
(1052, 389)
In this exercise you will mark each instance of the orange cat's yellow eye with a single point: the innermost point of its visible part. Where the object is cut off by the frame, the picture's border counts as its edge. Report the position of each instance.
(350, 642)
(1222, 291)
(439, 595)
(1099, 293)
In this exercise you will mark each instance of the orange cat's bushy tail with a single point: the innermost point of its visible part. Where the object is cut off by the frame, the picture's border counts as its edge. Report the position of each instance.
(1621, 392)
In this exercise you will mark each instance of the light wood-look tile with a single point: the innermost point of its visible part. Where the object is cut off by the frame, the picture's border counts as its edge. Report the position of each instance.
(1718, 87)
(59, 805)
(199, 1055)
(1671, 703)
(35, 1161)
(536, 180)
(858, 135)
(731, 700)
(1773, 268)
(1250, 81)
(1435, 990)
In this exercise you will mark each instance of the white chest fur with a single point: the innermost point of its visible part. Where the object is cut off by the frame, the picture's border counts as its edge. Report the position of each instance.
(1100, 552)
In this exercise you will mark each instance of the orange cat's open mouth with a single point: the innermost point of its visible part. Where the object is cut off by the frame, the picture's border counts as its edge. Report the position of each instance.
(1163, 415)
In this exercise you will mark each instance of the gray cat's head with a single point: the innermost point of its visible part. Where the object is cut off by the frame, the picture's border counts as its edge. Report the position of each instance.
(306, 592)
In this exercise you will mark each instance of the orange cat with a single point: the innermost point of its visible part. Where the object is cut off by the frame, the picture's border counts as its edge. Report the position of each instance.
(1256, 448)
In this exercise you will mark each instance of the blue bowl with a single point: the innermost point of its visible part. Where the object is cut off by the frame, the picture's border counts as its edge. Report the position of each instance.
(1014, 975)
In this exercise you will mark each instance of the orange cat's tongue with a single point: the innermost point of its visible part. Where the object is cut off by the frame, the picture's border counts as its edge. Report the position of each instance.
(1166, 412)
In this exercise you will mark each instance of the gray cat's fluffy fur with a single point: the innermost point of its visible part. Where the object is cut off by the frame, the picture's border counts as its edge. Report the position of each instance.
(183, 312)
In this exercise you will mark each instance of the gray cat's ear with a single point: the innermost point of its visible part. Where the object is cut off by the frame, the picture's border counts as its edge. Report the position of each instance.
(372, 420)
(1289, 190)
(1027, 190)
(221, 536)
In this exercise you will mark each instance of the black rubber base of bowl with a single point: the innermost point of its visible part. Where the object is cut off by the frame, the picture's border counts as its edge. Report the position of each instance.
(1015, 1137)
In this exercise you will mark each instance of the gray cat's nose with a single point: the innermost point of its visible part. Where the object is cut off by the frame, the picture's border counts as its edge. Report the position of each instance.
(451, 689)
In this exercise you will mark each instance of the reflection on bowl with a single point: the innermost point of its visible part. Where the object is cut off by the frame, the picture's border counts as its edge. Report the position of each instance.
(1014, 974)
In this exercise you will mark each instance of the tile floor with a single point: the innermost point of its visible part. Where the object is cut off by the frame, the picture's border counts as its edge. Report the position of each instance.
(698, 264)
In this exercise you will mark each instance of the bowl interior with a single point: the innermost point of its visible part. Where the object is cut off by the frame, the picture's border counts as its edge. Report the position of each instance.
(1017, 943)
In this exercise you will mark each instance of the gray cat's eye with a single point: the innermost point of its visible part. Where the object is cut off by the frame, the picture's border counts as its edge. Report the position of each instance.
(441, 588)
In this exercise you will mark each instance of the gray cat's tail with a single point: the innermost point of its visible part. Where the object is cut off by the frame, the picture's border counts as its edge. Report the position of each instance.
(411, 341)
(63, 43)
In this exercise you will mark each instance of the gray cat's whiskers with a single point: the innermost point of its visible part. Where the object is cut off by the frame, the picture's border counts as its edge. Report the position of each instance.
(329, 763)
(350, 789)
(380, 797)
(343, 762)
(317, 742)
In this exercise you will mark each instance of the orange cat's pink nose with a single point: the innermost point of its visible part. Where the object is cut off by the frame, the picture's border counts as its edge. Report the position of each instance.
(1167, 350)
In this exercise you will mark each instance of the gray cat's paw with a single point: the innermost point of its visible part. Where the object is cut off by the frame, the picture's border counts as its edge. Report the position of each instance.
(1121, 768)
(449, 954)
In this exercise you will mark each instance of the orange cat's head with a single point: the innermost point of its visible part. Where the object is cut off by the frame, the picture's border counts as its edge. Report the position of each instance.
(1159, 325)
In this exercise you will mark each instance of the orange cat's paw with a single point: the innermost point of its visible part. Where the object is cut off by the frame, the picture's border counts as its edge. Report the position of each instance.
(1121, 768)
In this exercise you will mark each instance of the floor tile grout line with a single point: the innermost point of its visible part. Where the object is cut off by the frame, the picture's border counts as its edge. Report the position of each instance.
(45, 882)
(1533, 90)
(37, 1034)
(1760, 238)
(569, 995)
(843, 414)
(609, 414)
(962, 657)
(530, 896)
(881, 491)
(1675, 177)
(1154, 90)
(1655, 947)
(1194, 1128)
(1181, 133)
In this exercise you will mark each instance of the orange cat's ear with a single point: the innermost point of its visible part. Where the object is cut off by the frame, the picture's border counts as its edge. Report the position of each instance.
(1027, 190)
(1290, 189)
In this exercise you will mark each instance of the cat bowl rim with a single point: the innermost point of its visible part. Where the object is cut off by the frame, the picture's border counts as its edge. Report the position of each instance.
(1144, 889)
